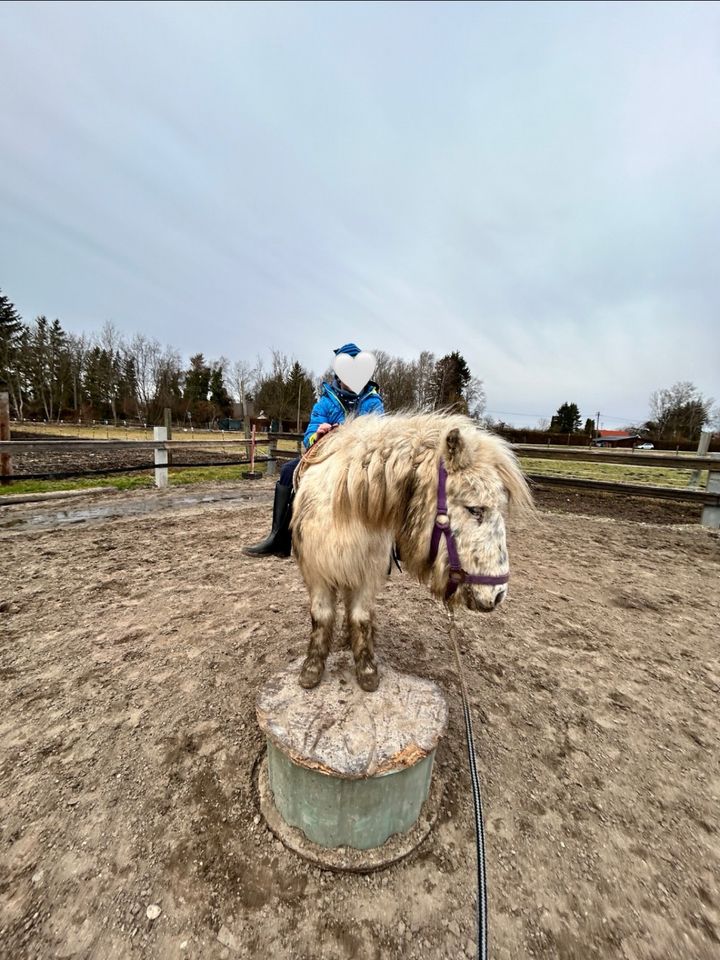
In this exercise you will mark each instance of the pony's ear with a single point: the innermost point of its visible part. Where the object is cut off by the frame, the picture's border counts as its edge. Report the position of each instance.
(456, 452)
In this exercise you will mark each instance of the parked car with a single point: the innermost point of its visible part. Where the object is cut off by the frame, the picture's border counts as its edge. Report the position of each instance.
(645, 446)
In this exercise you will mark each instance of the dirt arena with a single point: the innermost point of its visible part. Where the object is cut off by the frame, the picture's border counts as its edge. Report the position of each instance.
(132, 644)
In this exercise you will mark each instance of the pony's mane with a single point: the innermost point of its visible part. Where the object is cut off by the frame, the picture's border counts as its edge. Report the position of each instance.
(386, 465)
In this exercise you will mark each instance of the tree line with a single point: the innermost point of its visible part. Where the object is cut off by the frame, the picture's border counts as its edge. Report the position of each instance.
(677, 413)
(52, 374)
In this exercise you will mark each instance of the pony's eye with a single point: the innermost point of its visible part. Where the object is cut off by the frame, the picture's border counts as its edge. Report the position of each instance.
(477, 512)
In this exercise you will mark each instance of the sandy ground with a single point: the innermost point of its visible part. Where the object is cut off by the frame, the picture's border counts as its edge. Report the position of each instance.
(131, 650)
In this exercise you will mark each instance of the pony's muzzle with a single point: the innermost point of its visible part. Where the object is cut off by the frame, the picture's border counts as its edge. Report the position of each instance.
(484, 599)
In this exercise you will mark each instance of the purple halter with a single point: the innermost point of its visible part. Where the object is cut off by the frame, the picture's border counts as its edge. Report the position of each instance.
(442, 529)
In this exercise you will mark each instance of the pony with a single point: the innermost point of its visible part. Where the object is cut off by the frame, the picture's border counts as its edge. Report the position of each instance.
(411, 480)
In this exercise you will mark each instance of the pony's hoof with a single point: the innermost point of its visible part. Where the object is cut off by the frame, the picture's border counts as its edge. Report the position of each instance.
(311, 672)
(367, 675)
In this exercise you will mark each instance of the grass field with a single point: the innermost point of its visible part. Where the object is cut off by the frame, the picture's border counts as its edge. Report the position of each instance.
(132, 481)
(616, 472)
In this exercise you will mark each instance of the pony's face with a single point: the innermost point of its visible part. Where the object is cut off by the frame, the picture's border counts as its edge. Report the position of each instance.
(482, 476)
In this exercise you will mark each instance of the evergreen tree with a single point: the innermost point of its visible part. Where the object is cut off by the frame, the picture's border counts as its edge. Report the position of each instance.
(449, 382)
(278, 393)
(128, 389)
(168, 393)
(567, 419)
(11, 326)
(58, 369)
(39, 367)
(196, 387)
(219, 397)
(300, 393)
(12, 345)
(103, 369)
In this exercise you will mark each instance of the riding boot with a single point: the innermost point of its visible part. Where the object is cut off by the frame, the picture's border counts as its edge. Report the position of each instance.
(278, 542)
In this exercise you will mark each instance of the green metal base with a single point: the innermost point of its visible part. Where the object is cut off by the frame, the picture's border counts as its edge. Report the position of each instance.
(339, 812)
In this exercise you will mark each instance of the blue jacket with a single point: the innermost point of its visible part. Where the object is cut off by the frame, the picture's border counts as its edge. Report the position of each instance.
(336, 404)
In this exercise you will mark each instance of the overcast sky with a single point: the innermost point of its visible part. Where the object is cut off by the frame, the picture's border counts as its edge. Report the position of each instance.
(535, 185)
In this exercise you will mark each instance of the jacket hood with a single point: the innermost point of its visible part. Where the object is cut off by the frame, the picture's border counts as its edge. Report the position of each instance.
(348, 397)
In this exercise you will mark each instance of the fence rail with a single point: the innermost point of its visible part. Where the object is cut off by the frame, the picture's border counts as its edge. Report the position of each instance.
(687, 461)
(683, 494)
(28, 446)
(589, 455)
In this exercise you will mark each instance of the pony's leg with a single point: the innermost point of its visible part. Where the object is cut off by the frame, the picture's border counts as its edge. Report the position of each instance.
(347, 629)
(322, 612)
(362, 636)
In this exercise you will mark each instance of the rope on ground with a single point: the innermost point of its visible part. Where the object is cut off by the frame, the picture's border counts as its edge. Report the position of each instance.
(481, 902)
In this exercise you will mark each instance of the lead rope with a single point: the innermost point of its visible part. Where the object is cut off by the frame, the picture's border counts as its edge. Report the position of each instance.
(481, 903)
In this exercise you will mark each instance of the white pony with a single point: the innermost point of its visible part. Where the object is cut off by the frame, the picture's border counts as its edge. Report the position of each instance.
(414, 480)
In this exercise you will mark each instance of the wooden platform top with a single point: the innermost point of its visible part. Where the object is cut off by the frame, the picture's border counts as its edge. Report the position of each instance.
(340, 730)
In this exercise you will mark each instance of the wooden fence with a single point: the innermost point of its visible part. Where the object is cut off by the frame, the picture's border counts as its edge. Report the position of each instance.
(709, 498)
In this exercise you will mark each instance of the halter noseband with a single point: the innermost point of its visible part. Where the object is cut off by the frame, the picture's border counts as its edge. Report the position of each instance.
(442, 529)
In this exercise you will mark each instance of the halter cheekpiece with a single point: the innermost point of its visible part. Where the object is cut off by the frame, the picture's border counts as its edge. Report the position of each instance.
(442, 529)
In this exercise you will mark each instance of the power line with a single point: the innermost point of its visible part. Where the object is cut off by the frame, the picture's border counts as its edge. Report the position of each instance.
(510, 413)
(546, 416)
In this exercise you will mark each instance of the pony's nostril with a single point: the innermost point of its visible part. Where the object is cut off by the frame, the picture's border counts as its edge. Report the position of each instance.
(499, 597)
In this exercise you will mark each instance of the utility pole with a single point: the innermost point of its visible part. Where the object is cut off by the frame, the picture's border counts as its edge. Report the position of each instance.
(298, 416)
(597, 425)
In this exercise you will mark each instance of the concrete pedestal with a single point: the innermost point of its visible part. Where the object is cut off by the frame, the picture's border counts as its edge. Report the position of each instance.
(350, 771)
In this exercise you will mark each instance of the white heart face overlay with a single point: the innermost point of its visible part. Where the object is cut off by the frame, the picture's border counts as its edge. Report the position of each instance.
(355, 371)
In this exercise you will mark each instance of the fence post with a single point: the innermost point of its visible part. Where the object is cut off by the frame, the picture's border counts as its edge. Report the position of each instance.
(271, 466)
(168, 427)
(161, 458)
(711, 515)
(251, 474)
(703, 447)
(5, 461)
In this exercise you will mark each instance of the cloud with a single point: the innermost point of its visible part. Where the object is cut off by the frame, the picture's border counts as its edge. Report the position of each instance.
(534, 185)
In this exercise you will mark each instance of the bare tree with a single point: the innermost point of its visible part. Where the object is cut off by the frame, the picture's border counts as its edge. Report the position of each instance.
(424, 370)
(397, 380)
(158, 371)
(475, 397)
(110, 340)
(281, 364)
(77, 349)
(680, 411)
(242, 379)
(144, 353)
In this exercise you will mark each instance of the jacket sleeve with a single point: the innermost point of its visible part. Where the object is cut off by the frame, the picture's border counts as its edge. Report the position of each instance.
(373, 404)
(319, 414)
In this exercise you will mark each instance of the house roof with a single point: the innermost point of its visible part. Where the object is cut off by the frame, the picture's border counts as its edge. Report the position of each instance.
(611, 435)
